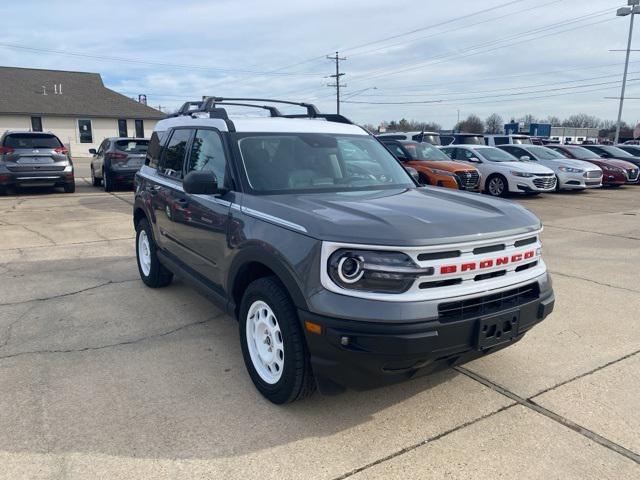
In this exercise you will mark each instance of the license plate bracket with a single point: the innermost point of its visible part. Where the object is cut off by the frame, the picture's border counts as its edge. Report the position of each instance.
(497, 329)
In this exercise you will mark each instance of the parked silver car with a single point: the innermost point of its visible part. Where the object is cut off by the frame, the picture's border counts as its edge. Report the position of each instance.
(571, 174)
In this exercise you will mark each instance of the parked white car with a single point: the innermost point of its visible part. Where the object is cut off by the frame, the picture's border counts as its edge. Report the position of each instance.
(572, 174)
(429, 137)
(502, 173)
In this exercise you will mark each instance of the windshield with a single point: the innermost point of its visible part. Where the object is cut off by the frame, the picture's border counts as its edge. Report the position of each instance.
(581, 152)
(425, 151)
(495, 155)
(543, 153)
(30, 140)
(310, 162)
(618, 152)
(132, 146)
(470, 140)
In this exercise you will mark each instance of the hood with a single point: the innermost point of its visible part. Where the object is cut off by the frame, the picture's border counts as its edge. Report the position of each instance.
(530, 167)
(399, 217)
(568, 162)
(613, 162)
(633, 160)
(451, 166)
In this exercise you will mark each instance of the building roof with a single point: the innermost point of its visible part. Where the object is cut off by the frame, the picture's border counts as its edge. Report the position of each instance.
(83, 95)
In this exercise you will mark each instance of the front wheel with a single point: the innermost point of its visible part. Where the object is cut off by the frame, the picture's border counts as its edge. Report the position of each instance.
(70, 187)
(95, 181)
(273, 345)
(152, 272)
(497, 186)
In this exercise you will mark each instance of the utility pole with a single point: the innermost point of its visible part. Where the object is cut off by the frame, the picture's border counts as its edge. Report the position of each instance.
(337, 76)
(631, 10)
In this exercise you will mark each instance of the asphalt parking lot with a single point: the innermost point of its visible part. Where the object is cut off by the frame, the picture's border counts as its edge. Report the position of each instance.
(101, 377)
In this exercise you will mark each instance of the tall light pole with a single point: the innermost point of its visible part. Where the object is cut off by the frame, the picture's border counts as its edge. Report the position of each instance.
(631, 10)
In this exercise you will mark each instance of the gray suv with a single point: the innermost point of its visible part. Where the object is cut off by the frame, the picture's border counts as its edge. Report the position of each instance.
(341, 271)
(34, 159)
(116, 161)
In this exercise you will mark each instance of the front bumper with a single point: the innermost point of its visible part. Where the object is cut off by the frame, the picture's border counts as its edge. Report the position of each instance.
(531, 184)
(123, 175)
(577, 181)
(363, 355)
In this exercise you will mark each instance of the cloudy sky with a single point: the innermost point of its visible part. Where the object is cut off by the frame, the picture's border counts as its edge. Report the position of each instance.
(425, 60)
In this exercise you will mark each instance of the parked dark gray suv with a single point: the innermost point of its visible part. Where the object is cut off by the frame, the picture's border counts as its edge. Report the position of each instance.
(116, 161)
(341, 270)
(34, 159)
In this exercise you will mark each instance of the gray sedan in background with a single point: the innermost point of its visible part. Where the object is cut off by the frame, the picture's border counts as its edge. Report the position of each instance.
(117, 160)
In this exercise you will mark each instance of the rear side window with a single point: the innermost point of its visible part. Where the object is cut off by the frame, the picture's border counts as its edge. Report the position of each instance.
(174, 153)
(132, 146)
(500, 140)
(30, 140)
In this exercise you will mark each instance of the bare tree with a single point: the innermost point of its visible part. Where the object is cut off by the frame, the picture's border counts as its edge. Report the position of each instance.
(553, 120)
(582, 120)
(494, 124)
(472, 124)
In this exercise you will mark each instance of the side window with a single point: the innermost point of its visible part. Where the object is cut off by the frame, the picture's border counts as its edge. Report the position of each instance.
(207, 154)
(122, 127)
(450, 152)
(501, 140)
(174, 153)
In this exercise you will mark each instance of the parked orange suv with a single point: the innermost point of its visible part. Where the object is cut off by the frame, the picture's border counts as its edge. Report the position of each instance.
(433, 166)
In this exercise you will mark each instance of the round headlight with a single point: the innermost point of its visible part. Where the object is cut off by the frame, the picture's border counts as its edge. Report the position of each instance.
(350, 269)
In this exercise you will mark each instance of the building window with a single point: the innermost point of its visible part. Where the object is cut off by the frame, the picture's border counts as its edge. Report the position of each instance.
(139, 129)
(122, 127)
(86, 133)
(36, 124)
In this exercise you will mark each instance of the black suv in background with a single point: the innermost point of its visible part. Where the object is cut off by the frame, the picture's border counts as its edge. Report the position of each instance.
(116, 161)
(34, 159)
(340, 269)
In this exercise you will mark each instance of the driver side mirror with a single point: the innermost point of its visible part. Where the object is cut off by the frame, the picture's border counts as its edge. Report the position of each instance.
(201, 183)
(475, 160)
(525, 158)
(93, 151)
(414, 174)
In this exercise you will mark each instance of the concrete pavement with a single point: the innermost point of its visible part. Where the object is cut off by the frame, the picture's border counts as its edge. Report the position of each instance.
(101, 377)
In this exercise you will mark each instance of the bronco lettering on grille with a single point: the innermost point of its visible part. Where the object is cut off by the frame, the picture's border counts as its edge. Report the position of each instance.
(487, 263)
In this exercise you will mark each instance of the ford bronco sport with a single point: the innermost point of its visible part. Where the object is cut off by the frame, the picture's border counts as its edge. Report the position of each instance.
(341, 270)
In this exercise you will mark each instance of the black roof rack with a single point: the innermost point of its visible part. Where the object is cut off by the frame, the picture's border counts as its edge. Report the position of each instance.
(211, 105)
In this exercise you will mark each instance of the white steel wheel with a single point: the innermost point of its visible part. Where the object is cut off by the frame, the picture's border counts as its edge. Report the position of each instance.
(144, 253)
(264, 342)
(496, 186)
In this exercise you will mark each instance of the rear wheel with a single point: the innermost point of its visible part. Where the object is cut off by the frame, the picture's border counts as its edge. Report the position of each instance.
(95, 181)
(107, 181)
(152, 272)
(497, 186)
(273, 345)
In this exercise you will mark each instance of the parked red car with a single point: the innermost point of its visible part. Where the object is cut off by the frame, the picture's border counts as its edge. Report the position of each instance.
(614, 172)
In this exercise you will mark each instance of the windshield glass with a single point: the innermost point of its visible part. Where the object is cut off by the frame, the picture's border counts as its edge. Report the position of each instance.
(432, 138)
(543, 153)
(310, 162)
(30, 140)
(132, 146)
(521, 140)
(581, 152)
(618, 152)
(425, 151)
(495, 155)
(470, 140)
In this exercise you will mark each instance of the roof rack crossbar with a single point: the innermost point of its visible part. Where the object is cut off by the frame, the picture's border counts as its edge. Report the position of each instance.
(312, 110)
(186, 109)
(273, 111)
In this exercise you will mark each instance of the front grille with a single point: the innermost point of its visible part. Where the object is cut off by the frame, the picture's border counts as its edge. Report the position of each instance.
(593, 174)
(488, 304)
(545, 183)
(632, 174)
(35, 168)
(468, 180)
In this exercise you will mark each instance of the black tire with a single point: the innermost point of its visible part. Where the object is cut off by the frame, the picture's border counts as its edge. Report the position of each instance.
(557, 184)
(505, 185)
(107, 182)
(296, 381)
(95, 181)
(158, 276)
(423, 179)
(70, 187)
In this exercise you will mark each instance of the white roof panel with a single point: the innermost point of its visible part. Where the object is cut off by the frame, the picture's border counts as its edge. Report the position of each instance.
(294, 125)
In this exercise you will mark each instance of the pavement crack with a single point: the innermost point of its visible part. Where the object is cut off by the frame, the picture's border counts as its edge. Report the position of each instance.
(576, 277)
(421, 443)
(530, 404)
(113, 345)
(594, 233)
(67, 294)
